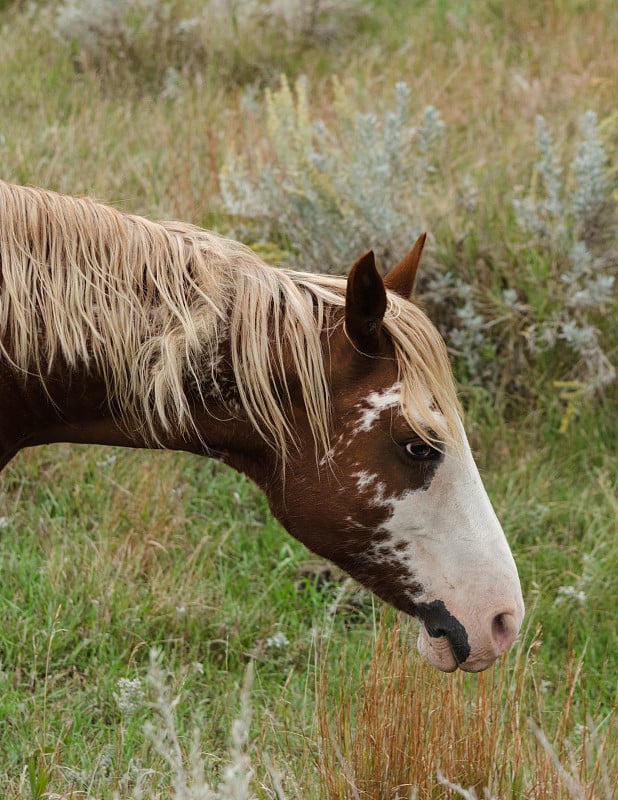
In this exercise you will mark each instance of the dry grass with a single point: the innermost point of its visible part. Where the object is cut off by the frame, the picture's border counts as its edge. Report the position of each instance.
(410, 732)
(489, 70)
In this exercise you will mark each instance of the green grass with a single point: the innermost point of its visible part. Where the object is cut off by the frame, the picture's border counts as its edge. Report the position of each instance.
(105, 554)
(102, 561)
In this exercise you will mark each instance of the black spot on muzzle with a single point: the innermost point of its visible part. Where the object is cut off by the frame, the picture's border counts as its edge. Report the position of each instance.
(439, 622)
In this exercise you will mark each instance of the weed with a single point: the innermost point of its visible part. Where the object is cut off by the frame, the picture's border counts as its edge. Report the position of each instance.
(331, 191)
(567, 223)
(161, 44)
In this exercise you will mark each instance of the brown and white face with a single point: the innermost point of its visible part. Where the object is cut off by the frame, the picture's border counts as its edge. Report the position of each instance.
(410, 522)
(438, 537)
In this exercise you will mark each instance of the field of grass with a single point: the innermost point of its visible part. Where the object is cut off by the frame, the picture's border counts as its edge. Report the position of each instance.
(107, 555)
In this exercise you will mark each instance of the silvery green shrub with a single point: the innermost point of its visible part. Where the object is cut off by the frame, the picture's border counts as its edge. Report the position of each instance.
(329, 192)
(332, 191)
(567, 218)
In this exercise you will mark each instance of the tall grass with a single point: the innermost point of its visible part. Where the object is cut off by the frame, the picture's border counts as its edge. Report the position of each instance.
(383, 730)
(405, 732)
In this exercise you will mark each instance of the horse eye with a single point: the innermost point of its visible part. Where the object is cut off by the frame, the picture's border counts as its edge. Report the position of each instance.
(420, 451)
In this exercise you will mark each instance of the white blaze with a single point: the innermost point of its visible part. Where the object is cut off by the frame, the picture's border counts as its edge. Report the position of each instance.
(454, 545)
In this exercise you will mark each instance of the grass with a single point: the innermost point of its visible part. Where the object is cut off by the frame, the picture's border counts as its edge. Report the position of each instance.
(405, 727)
(107, 553)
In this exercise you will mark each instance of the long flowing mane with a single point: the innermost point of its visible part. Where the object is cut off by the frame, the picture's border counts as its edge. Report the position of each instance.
(148, 305)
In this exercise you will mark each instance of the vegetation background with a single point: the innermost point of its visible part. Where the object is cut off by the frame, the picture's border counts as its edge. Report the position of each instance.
(135, 588)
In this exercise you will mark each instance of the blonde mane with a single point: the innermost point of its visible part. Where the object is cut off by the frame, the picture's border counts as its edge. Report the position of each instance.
(146, 306)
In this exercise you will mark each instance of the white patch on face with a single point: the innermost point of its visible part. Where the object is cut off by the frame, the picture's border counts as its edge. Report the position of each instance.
(450, 527)
(374, 404)
(366, 482)
(456, 548)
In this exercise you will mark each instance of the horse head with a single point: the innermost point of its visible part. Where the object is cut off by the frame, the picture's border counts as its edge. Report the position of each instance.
(396, 505)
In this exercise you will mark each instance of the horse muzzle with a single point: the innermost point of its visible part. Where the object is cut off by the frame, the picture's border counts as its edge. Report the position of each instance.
(445, 643)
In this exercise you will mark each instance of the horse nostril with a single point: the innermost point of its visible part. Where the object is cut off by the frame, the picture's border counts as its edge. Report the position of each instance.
(503, 631)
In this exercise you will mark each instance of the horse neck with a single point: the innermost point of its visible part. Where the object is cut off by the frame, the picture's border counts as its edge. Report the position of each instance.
(72, 405)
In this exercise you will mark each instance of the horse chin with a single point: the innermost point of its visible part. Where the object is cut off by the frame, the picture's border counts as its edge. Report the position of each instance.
(436, 651)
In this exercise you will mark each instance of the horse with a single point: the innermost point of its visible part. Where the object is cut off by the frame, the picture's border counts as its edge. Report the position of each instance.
(336, 397)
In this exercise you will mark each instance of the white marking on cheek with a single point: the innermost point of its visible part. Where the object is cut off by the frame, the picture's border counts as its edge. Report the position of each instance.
(430, 521)
(374, 404)
(354, 523)
(364, 480)
(421, 531)
(368, 482)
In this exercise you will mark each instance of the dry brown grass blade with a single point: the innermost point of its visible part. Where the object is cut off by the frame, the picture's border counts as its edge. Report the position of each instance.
(390, 735)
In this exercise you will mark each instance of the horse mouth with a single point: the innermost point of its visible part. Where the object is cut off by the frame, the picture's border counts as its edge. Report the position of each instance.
(436, 651)
(443, 640)
(439, 652)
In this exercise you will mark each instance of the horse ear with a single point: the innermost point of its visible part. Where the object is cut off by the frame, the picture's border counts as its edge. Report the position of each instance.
(365, 304)
(402, 277)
